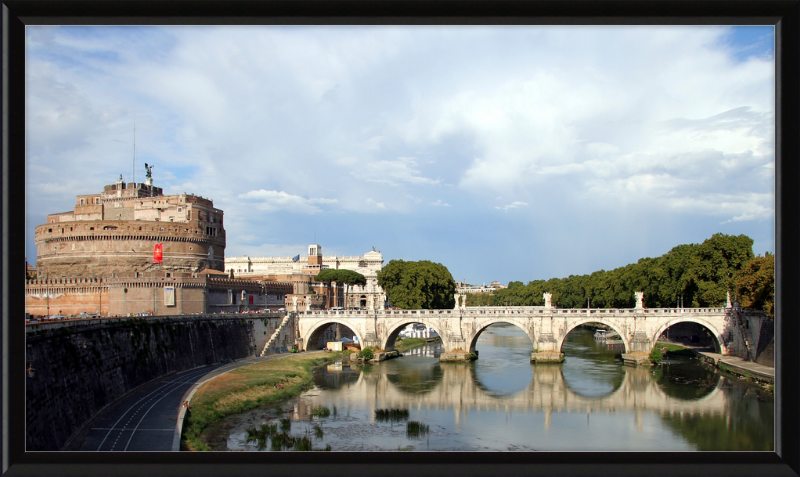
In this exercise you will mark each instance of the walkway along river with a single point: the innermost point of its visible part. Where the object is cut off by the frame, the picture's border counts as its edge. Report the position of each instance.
(591, 402)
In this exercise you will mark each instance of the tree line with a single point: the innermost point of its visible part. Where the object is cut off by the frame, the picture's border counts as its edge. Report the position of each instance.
(696, 275)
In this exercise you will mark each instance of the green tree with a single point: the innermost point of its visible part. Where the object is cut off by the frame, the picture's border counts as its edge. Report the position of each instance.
(755, 284)
(349, 277)
(418, 285)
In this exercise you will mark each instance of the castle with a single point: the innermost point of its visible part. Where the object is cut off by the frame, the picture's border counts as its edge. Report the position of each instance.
(133, 250)
(114, 234)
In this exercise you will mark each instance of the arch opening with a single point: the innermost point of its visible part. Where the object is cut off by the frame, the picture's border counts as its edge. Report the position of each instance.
(690, 333)
(505, 324)
(410, 329)
(613, 339)
(329, 331)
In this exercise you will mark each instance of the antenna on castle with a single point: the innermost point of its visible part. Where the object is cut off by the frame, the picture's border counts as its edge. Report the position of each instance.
(134, 153)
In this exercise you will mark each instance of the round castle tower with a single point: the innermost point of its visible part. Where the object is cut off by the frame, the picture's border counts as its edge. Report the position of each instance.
(114, 233)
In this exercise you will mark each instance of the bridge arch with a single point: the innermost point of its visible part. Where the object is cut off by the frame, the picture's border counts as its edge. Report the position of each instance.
(317, 328)
(571, 326)
(397, 326)
(718, 340)
(479, 329)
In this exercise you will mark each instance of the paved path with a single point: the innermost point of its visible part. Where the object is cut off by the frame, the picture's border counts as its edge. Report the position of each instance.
(150, 418)
(739, 364)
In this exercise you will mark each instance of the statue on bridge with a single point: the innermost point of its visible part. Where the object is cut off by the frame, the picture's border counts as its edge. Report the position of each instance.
(639, 300)
(548, 300)
(457, 297)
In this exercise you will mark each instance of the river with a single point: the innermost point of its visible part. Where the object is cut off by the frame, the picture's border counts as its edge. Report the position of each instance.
(590, 402)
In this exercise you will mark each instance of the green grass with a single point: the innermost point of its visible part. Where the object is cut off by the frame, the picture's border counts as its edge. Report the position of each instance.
(320, 412)
(246, 388)
(409, 343)
(391, 415)
(416, 429)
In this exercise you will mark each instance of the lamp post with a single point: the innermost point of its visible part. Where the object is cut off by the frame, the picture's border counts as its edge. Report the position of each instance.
(47, 291)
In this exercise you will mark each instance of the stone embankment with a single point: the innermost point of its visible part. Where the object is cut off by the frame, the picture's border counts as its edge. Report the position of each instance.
(77, 371)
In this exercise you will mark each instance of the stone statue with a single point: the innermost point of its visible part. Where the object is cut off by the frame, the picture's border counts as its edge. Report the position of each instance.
(457, 297)
(548, 300)
(728, 300)
(294, 303)
(464, 301)
(149, 170)
(120, 178)
(639, 299)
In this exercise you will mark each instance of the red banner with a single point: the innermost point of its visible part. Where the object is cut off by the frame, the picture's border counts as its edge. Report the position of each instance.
(158, 253)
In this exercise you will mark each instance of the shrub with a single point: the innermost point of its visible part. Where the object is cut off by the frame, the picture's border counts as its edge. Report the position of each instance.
(366, 353)
(656, 356)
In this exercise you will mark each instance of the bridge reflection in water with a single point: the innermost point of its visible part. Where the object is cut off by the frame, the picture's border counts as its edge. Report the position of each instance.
(500, 402)
(456, 386)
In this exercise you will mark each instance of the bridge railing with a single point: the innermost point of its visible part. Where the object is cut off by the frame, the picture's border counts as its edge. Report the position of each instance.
(524, 310)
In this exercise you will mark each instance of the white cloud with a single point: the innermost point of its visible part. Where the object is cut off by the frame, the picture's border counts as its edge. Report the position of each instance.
(514, 205)
(271, 200)
(402, 170)
(589, 122)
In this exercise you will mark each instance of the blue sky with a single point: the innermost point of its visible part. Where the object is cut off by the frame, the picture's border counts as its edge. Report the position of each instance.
(503, 152)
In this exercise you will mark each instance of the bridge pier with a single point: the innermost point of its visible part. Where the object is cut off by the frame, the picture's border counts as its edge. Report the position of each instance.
(547, 350)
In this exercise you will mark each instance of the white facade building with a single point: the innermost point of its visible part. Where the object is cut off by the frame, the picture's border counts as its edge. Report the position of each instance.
(368, 296)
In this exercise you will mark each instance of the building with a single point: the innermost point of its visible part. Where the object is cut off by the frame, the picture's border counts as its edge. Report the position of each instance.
(184, 295)
(114, 233)
(300, 270)
(99, 258)
(463, 287)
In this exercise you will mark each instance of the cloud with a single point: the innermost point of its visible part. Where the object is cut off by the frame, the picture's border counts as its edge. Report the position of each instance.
(373, 204)
(271, 200)
(514, 205)
(591, 122)
(402, 170)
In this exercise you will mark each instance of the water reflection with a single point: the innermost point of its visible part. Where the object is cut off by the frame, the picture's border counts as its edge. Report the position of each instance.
(502, 402)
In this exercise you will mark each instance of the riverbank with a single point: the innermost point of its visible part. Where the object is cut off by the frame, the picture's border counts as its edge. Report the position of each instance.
(409, 343)
(247, 388)
(749, 371)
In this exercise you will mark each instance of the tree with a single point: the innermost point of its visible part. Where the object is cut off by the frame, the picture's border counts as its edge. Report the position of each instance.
(418, 285)
(755, 284)
(341, 276)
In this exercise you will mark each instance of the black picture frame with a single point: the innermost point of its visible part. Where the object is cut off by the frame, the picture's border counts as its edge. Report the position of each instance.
(785, 15)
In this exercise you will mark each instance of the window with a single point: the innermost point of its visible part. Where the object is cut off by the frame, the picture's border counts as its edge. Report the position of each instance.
(82, 201)
(97, 200)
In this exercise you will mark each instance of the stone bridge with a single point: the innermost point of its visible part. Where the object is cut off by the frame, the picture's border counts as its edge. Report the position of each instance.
(639, 328)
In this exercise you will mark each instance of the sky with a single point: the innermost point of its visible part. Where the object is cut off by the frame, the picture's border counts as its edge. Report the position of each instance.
(503, 152)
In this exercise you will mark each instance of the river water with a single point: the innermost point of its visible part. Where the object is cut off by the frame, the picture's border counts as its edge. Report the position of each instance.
(590, 402)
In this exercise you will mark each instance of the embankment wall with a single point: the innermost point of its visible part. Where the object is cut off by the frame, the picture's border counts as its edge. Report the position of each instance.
(79, 369)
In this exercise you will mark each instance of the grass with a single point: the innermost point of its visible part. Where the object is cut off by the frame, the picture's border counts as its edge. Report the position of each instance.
(409, 343)
(320, 412)
(674, 350)
(416, 429)
(391, 415)
(246, 388)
